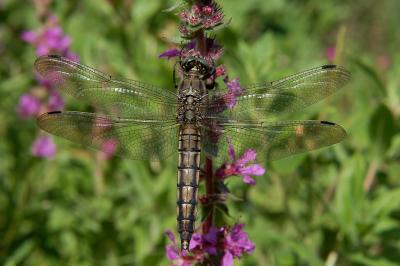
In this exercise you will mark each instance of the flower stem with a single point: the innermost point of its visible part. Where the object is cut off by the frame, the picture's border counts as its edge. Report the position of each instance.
(201, 42)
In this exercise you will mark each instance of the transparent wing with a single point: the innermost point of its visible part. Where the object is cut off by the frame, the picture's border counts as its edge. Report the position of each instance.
(285, 95)
(118, 97)
(273, 140)
(135, 139)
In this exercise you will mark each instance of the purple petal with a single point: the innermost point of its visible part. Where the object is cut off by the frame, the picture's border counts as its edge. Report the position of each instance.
(44, 82)
(237, 242)
(109, 147)
(195, 242)
(254, 169)
(171, 252)
(43, 147)
(248, 180)
(231, 151)
(72, 56)
(227, 259)
(64, 43)
(53, 33)
(211, 250)
(234, 87)
(191, 45)
(212, 235)
(28, 105)
(29, 36)
(230, 100)
(170, 53)
(56, 102)
(42, 49)
(249, 155)
(170, 236)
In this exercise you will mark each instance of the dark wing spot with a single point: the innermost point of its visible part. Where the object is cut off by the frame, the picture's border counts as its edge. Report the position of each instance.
(54, 56)
(328, 66)
(327, 123)
(54, 112)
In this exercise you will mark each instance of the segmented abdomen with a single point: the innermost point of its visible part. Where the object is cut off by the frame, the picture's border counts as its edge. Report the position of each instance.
(188, 181)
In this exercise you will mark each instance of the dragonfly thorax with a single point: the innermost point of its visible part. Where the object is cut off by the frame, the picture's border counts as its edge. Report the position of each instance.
(191, 100)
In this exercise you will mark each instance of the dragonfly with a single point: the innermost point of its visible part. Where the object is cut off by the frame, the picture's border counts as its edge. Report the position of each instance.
(151, 123)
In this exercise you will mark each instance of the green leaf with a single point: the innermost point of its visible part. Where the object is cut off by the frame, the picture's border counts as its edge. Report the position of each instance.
(381, 129)
(363, 260)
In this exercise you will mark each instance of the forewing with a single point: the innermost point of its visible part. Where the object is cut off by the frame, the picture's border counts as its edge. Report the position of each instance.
(271, 140)
(117, 97)
(135, 139)
(289, 94)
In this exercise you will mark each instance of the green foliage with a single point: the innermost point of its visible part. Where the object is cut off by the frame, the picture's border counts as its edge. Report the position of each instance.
(336, 206)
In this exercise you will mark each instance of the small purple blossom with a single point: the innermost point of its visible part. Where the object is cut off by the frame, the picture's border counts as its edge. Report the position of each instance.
(171, 53)
(225, 242)
(178, 257)
(234, 91)
(43, 146)
(28, 105)
(29, 36)
(207, 242)
(200, 15)
(239, 167)
(50, 39)
(236, 243)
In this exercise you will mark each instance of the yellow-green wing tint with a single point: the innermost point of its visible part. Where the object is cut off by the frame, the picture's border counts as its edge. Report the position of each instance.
(273, 140)
(135, 139)
(117, 97)
(289, 94)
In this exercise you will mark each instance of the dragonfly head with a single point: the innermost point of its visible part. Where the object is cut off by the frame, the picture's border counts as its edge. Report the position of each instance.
(196, 66)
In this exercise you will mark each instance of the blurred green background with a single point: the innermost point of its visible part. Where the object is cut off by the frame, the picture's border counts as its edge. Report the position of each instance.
(335, 206)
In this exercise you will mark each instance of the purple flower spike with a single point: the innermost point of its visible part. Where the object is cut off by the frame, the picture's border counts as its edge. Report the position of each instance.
(50, 39)
(28, 106)
(239, 167)
(44, 147)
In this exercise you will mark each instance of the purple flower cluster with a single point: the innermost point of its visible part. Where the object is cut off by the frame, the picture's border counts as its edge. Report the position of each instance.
(234, 91)
(206, 16)
(50, 39)
(29, 105)
(240, 166)
(44, 146)
(225, 243)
